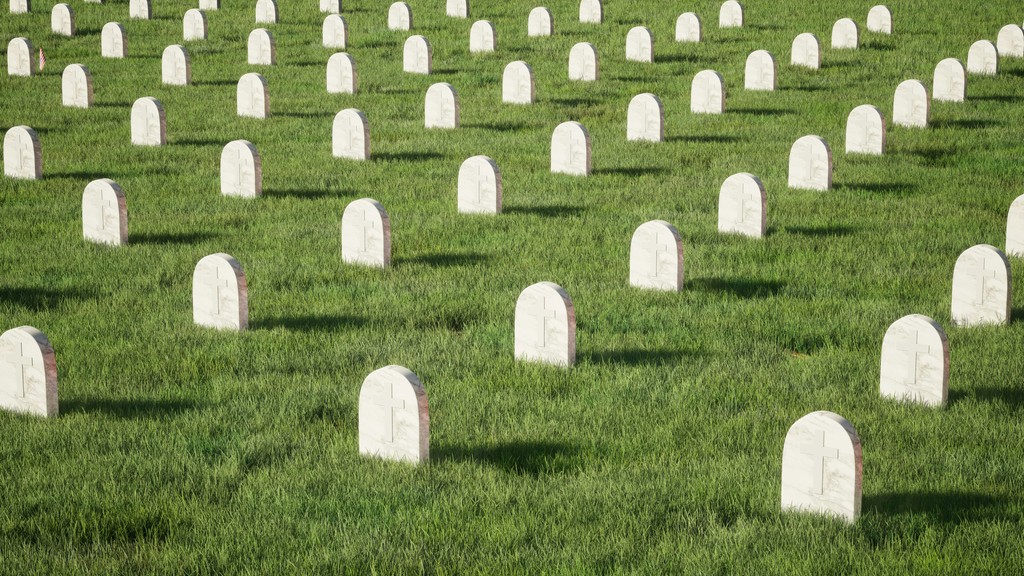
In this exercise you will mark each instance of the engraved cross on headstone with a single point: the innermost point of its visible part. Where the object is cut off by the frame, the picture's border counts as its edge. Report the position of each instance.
(542, 316)
(104, 203)
(368, 225)
(819, 452)
(18, 161)
(21, 362)
(389, 404)
(660, 249)
(216, 283)
(355, 135)
(482, 183)
(911, 348)
(981, 275)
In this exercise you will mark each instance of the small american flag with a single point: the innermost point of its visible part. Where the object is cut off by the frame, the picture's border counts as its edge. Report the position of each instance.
(42, 60)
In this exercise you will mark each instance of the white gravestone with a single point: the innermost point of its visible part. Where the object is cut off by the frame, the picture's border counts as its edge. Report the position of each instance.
(28, 373)
(707, 93)
(457, 8)
(193, 25)
(21, 6)
(479, 189)
(23, 154)
(810, 164)
(62, 20)
(639, 45)
(688, 27)
(262, 50)
(1010, 41)
(366, 234)
(590, 11)
(545, 325)
(730, 15)
(760, 71)
(399, 17)
(822, 470)
(104, 213)
(743, 206)
(570, 149)
(441, 106)
(645, 119)
(517, 85)
(983, 58)
(241, 170)
(539, 22)
(21, 61)
(350, 135)
(149, 122)
(656, 257)
(341, 74)
(335, 32)
(209, 4)
(330, 6)
(583, 63)
(844, 34)
(910, 105)
(880, 20)
(982, 288)
(220, 293)
(76, 86)
(417, 55)
(806, 51)
(253, 99)
(915, 361)
(113, 42)
(482, 37)
(394, 419)
(1015, 228)
(266, 12)
(950, 81)
(140, 10)
(176, 66)
(865, 131)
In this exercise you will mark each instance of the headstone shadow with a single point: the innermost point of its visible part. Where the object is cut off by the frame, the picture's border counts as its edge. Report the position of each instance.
(816, 231)
(521, 457)
(163, 238)
(444, 260)
(877, 187)
(551, 211)
(128, 409)
(302, 194)
(952, 507)
(310, 323)
(761, 111)
(741, 287)
(632, 171)
(38, 299)
(705, 138)
(638, 356)
(398, 156)
(1013, 398)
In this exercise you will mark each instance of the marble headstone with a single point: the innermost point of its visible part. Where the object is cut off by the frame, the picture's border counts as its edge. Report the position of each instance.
(482, 37)
(366, 234)
(645, 119)
(350, 135)
(743, 206)
(865, 131)
(149, 122)
(266, 12)
(821, 467)
(982, 292)
(140, 9)
(590, 11)
(21, 6)
(262, 50)
(880, 20)
(910, 105)
(479, 186)
(21, 60)
(810, 164)
(983, 58)
(844, 34)
(730, 15)
(399, 17)
(341, 74)
(688, 27)
(104, 213)
(707, 93)
(915, 361)
(194, 25)
(570, 149)
(950, 81)
(330, 6)
(28, 373)
(1015, 228)
(241, 170)
(76, 86)
(457, 8)
(517, 85)
(253, 98)
(1010, 42)
(806, 51)
(394, 419)
(656, 257)
(23, 154)
(220, 293)
(545, 325)
(417, 55)
(639, 45)
(176, 66)
(62, 20)
(113, 42)
(209, 4)
(583, 63)
(441, 106)
(335, 32)
(760, 71)
(539, 22)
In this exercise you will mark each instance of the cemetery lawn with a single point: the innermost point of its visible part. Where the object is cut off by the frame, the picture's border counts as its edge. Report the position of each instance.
(181, 449)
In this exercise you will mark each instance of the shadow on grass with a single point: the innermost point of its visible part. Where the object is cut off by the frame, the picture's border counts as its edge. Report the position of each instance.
(301, 194)
(554, 211)
(934, 156)
(527, 458)
(1011, 397)
(444, 71)
(444, 260)
(637, 357)
(966, 124)
(83, 175)
(947, 507)
(815, 231)
(216, 83)
(496, 127)
(574, 102)
(108, 105)
(761, 111)
(634, 172)
(198, 143)
(38, 299)
(127, 409)
(164, 238)
(310, 323)
(706, 139)
(303, 115)
(877, 187)
(397, 156)
(688, 58)
(741, 287)
(997, 98)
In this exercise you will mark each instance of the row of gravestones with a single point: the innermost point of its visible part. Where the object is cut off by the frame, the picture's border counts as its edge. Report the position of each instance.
(143, 10)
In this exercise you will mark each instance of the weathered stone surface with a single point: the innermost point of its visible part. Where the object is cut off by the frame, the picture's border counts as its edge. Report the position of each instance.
(983, 58)
(176, 66)
(28, 373)
(241, 170)
(730, 15)
(23, 154)
(261, 48)
(350, 135)
(880, 19)
(656, 257)
(822, 470)
(517, 85)
(810, 164)
(806, 51)
(707, 93)
(62, 20)
(104, 213)
(140, 9)
(845, 35)
(341, 74)
(760, 71)
(915, 361)
(743, 206)
(335, 32)
(1015, 228)
(688, 27)
(982, 288)
(591, 11)
(479, 186)
(457, 8)
(394, 420)
(645, 119)
(545, 325)
(149, 122)
(910, 105)
(482, 37)
(539, 22)
(113, 42)
(76, 87)
(193, 25)
(1010, 42)
(865, 131)
(583, 64)
(21, 60)
(366, 234)
(639, 45)
(950, 81)
(266, 12)
(399, 16)
(441, 106)
(220, 293)
(253, 96)
(417, 55)
(570, 149)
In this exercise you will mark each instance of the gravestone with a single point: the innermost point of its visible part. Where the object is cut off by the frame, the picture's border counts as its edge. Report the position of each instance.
(982, 289)
(479, 189)
(253, 98)
(341, 74)
(865, 131)
(366, 234)
(457, 8)
(394, 420)
(880, 20)
(21, 6)
(399, 17)
(149, 122)
(482, 37)
(583, 63)
(21, 59)
(810, 164)
(441, 106)
(590, 11)
(28, 373)
(193, 25)
(806, 51)
(730, 15)
(983, 58)
(517, 85)
(707, 93)
(910, 105)
(335, 32)
(821, 467)
(140, 9)
(104, 213)
(350, 135)
(176, 66)
(688, 27)
(570, 149)
(760, 71)
(844, 34)
(113, 42)
(262, 50)
(23, 154)
(950, 81)
(645, 119)
(1010, 42)
(545, 325)
(915, 361)
(656, 257)
(743, 206)
(76, 86)
(417, 55)
(266, 12)
(639, 45)
(62, 20)
(330, 6)
(539, 22)
(1015, 228)
(241, 170)
(209, 4)
(220, 293)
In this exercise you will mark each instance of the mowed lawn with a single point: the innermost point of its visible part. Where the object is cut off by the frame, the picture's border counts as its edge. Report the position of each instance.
(186, 450)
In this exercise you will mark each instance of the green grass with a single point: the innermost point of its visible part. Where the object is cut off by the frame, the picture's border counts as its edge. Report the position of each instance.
(180, 449)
